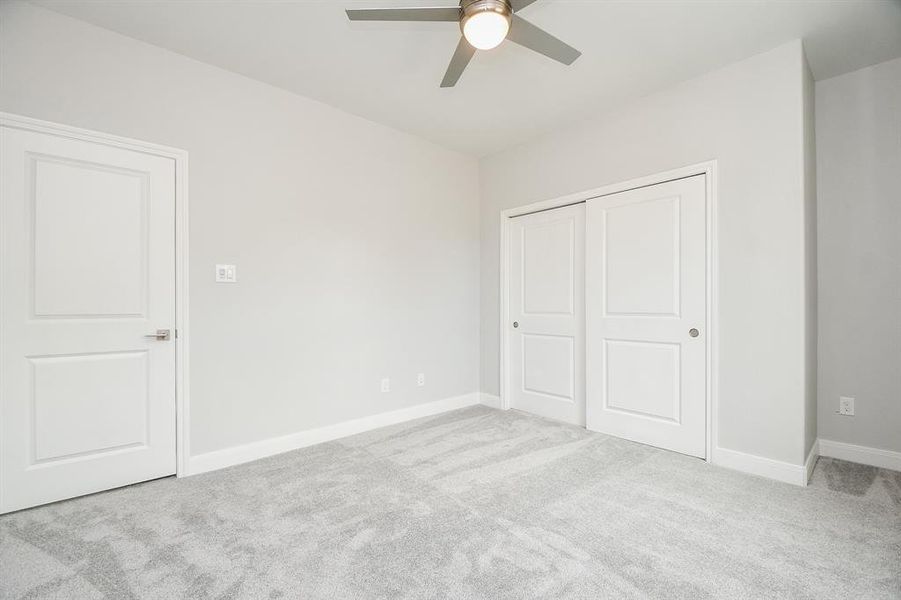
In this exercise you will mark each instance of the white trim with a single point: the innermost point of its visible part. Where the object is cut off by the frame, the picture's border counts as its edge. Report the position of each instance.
(227, 457)
(875, 457)
(182, 389)
(713, 325)
(811, 463)
(490, 400)
(763, 467)
(504, 295)
(709, 170)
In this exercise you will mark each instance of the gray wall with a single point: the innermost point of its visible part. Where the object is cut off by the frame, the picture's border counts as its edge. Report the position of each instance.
(859, 206)
(356, 245)
(749, 117)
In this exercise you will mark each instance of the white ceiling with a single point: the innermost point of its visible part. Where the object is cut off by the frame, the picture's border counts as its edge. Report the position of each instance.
(389, 72)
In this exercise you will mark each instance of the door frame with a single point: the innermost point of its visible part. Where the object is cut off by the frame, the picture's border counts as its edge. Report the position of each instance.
(182, 397)
(709, 170)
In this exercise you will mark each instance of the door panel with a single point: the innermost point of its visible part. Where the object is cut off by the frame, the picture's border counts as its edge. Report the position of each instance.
(655, 255)
(68, 235)
(548, 267)
(546, 301)
(87, 402)
(548, 362)
(646, 289)
(643, 379)
(66, 388)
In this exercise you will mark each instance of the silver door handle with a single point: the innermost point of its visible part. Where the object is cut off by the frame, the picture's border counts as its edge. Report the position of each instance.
(161, 334)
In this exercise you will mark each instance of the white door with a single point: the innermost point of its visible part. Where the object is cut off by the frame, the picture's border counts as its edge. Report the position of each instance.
(646, 314)
(87, 402)
(546, 313)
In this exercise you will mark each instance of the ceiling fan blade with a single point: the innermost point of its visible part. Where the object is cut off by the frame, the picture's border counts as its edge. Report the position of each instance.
(449, 13)
(518, 5)
(534, 38)
(462, 55)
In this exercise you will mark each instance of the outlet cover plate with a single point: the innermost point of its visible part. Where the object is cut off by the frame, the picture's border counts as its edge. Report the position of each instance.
(846, 406)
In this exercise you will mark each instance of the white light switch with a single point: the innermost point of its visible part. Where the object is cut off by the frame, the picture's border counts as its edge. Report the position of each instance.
(226, 274)
(386, 385)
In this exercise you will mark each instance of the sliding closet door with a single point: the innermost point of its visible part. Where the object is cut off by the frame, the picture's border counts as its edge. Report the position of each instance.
(547, 315)
(646, 315)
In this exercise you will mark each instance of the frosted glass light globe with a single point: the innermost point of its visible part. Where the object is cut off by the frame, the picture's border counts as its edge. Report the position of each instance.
(485, 30)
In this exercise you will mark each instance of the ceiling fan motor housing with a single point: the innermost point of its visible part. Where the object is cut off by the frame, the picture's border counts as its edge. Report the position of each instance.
(474, 7)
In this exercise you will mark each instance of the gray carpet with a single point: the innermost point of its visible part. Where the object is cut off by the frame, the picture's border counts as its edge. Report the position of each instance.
(476, 503)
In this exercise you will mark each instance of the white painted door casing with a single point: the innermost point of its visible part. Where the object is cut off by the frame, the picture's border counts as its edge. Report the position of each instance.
(546, 302)
(88, 269)
(645, 292)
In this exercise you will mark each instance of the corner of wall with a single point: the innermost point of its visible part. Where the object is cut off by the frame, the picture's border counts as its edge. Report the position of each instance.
(809, 191)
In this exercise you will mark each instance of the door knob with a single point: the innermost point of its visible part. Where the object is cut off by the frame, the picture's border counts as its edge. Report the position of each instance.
(693, 332)
(515, 324)
(161, 334)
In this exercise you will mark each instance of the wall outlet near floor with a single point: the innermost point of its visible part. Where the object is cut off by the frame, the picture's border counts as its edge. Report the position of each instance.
(846, 406)
(226, 274)
(386, 385)
(420, 379)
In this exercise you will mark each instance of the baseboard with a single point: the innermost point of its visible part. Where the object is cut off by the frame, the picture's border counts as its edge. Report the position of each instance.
(227, 457)
(875, 457)
(760, 466)
(811, 462)
(490, 400)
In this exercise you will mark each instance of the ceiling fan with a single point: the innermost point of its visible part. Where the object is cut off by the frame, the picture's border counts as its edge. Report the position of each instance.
(484, 23)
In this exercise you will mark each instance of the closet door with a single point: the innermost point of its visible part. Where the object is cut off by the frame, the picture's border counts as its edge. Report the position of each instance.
(646, 314)
(547, 315)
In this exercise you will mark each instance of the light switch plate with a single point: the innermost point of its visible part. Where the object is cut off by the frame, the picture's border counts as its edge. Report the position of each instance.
(226, 274)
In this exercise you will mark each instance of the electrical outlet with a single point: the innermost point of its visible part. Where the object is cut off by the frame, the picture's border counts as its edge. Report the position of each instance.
(386, 385)
(846, 406)
(420, 379)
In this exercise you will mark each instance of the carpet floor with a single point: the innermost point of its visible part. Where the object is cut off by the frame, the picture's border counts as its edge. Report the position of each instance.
(476, 503)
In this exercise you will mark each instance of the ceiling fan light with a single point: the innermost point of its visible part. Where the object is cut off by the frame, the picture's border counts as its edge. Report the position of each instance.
(486, 30)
